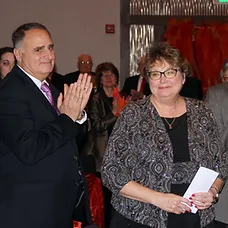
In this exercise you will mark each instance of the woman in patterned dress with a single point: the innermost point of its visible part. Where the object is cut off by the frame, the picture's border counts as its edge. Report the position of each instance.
(155, 149)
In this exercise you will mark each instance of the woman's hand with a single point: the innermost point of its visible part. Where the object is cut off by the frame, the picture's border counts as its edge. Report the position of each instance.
(173, 203)
(115, 106)
(202, 200)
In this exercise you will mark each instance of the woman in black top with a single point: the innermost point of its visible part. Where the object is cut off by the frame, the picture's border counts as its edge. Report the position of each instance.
(157, 146)
(102, 112)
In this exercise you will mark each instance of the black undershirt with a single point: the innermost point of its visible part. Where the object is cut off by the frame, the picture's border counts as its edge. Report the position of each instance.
(179, 138)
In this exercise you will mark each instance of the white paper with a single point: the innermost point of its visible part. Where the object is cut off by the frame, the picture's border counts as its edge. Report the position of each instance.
(202, 182)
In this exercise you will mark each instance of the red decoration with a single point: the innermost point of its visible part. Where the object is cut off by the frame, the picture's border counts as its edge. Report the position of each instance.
(96, 201)
(110, 28)
(121, 101)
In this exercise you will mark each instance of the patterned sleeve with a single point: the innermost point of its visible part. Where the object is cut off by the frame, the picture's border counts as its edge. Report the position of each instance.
(115, 172)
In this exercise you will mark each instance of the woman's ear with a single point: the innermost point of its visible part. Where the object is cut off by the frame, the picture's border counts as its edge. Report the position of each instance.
(184, 78)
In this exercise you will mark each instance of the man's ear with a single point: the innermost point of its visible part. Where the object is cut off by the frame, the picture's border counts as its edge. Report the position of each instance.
(18, 54)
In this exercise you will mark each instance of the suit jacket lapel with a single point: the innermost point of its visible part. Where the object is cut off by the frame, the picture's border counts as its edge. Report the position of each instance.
(33, 89)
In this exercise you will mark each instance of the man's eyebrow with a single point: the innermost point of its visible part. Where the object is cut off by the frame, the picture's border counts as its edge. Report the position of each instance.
(39, 47)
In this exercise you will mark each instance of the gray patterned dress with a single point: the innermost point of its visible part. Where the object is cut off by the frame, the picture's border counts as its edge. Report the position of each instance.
(140, 150)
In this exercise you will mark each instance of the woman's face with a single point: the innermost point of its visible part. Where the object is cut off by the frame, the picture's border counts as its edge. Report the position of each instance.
(108, 79)
(6, 63)
(165, 87)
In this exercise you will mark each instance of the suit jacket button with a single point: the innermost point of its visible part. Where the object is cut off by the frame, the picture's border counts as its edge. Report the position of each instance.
(75, 157)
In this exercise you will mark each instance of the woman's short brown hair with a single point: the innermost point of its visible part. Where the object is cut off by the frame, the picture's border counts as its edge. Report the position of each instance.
(106, 66)
(163, 51)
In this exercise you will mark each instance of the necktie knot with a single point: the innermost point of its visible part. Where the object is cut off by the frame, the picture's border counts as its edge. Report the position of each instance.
(45, 88)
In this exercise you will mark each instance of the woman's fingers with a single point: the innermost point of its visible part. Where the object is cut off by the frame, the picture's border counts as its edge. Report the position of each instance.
(202, 200)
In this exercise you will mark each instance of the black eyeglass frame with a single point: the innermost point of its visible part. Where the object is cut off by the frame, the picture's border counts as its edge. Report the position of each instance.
(162, 73)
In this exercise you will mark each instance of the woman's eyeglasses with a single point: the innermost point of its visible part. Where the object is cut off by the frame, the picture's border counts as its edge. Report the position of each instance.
(156, 75)
(108, 75)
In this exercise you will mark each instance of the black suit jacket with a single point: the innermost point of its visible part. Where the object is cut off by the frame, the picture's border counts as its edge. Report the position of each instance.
(73, 77)
(132, 83)
(39, 166)
(192, 88)
(58, 81)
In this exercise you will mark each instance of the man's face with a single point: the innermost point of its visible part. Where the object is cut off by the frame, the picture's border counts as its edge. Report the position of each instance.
(85, 64)
(36, 54)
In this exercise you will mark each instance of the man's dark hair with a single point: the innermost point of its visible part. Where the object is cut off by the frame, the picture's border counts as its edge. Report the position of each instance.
(19, 34)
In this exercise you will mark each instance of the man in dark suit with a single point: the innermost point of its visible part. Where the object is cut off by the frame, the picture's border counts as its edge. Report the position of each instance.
(41, 181)
(137, 86)
(85, 64)
(57, 80)
(217, 97)
(192, 88)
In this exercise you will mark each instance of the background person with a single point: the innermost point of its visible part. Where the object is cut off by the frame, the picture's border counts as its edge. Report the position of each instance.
(217, 97)
(7, 61)
(102, 112)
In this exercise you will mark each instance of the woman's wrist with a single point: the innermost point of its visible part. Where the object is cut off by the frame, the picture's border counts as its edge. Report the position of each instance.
(215, 191)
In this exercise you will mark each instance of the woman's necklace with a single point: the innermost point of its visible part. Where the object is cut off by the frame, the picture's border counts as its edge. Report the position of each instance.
(170, 124)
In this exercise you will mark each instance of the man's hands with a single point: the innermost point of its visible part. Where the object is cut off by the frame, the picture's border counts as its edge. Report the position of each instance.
(75, 97)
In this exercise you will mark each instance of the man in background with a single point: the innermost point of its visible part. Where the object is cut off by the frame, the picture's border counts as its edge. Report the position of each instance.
(217, 97)
(137, 86)
(193, 86)
(85, 64)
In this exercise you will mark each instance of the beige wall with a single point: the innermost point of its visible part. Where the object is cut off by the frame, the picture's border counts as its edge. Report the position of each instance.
(77, 26)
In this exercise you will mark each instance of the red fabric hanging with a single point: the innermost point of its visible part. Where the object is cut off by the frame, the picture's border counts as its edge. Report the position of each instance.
(205, 47)
(179, 35)
(222, 32)
(96, 201)
(208, 56)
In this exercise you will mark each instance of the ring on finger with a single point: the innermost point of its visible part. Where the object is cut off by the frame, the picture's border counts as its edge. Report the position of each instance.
(85, 88)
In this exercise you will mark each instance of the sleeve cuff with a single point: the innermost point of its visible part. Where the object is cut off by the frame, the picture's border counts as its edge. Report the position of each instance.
(68, 125)
(83, 119)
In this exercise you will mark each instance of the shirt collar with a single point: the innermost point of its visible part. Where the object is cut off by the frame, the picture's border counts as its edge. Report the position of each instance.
(35, 80)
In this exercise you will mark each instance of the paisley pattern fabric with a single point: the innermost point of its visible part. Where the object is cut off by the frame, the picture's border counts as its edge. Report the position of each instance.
(140, 150)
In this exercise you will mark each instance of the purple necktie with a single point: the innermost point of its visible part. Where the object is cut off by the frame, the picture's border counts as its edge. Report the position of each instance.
(46, 89)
